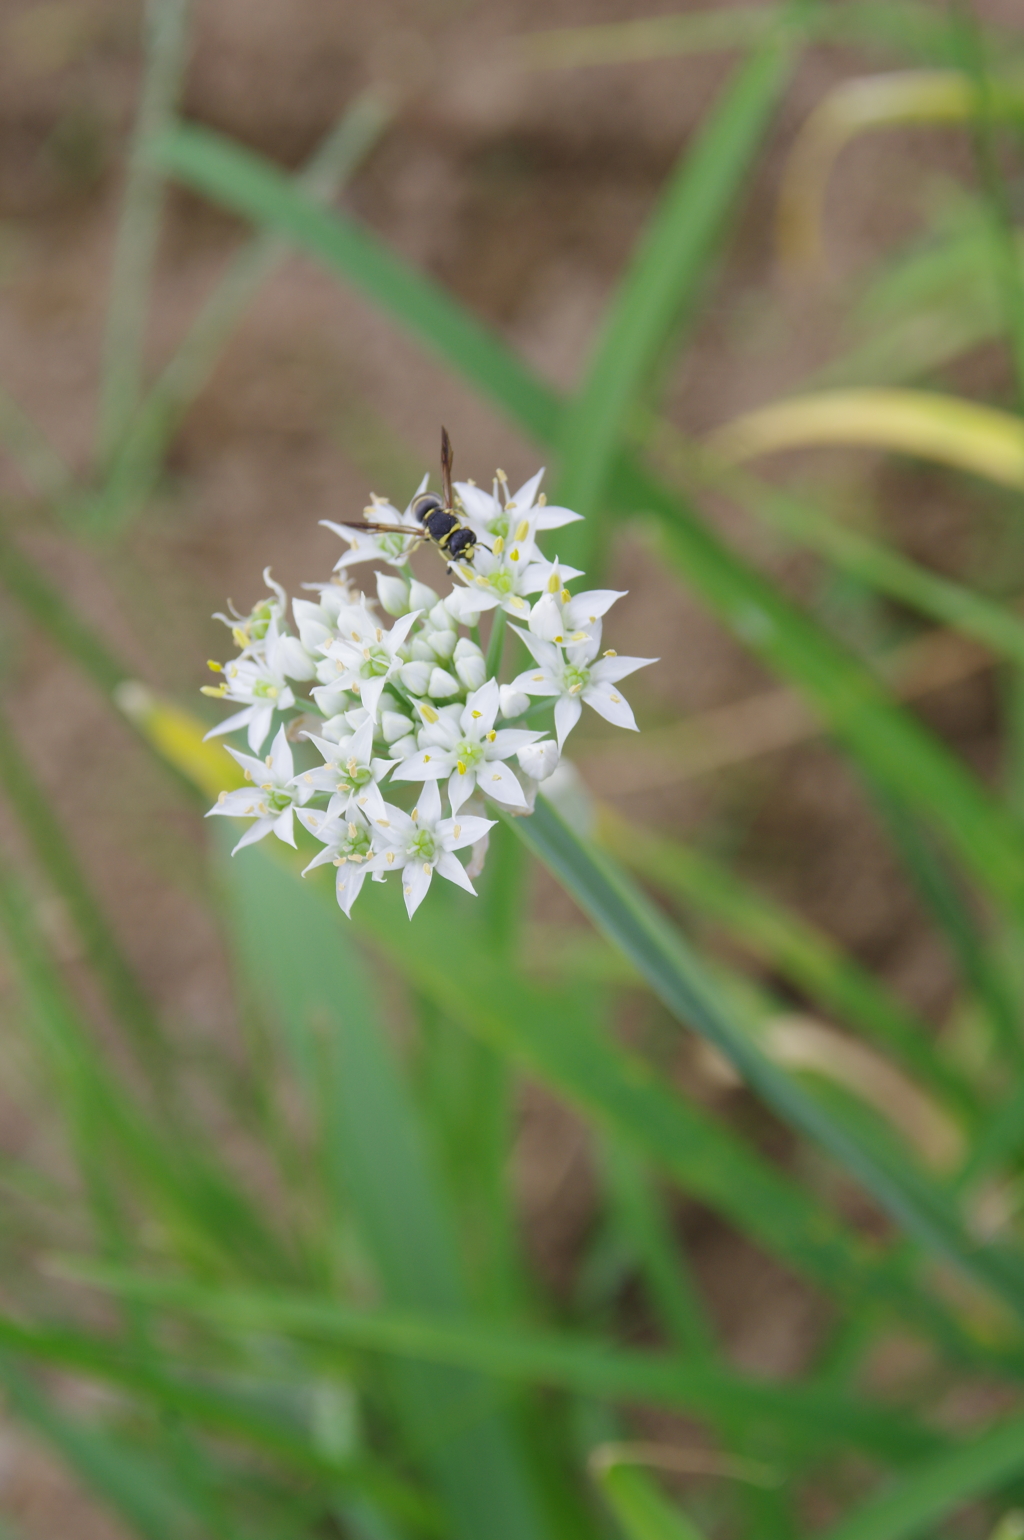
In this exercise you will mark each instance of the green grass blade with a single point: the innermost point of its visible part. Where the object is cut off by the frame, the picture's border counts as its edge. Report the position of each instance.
(253, 187)
(124, 1479)
(923, 1498)
(56, 857)
(788, 944)
(590, 1367)
(664, 1269)
(41, 467)
(689, 992)
(883, 569)
(643, 1513)
(661, 286)
(247, 1420)
(166, 35)
(136, 464)
(304, 964)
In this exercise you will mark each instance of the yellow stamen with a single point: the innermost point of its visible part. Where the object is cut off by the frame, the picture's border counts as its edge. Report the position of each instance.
(523, 529)
(309, 781)
(339, 860)
(611, 653)
(575, 689)
(355, 636)
(617, 699)
(414, 815)
(491, 736)
(218, 691)
(499, 545)
(457, 830)
(559, 638)
(461, 767)
(426, 867)
(477, 713)
(354, 855)
(501, 475)
(222, 797)
(565, 596)
(239, 637)
(248, 775)
(380, 634)
(538, 678)
(214, 666)
(495, 777)
(391, 858)
(513, 555)
(427, 712)
(273, 692)
(553, 583)
(542, 500)
(520, 604)
(269, 760)
(352, 831)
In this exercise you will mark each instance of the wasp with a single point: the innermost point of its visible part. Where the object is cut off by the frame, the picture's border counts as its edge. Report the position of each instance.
(441, 524)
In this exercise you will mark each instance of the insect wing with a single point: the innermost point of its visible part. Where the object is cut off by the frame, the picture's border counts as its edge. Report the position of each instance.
(446, 468)
(369, 528)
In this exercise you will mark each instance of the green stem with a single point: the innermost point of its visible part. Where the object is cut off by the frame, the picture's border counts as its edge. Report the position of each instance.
(496, 644)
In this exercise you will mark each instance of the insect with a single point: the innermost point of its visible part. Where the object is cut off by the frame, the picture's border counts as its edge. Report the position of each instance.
(441, 524)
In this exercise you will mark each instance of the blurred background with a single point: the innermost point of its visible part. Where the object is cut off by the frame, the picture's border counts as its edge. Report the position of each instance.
(516, 168)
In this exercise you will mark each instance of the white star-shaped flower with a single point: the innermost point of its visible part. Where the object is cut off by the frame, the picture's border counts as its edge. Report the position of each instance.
(563, 618)
(348, 845)
(420, 844)
(249, 631)
(259, 680)
(394, 549)
(461, 743)
(366, 655)
(272, 799)
(575, 677)
(504, 576)
(495, 514)
(349, 773)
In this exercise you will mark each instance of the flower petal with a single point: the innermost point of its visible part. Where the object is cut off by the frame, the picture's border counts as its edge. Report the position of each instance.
(282, 764)
(480, 709)
(415, 882)
(497, 781)
(509, 740)
(568, 711)
(470, 830)
(460, 788)
(545, 653)
(257, 831)
(536, 681)
(229, 724)
(448, 866)
(259, 726)
(427, 765)
(608, 670)
(283, 827)
(608, 703)
(429, 805)
(350, 879)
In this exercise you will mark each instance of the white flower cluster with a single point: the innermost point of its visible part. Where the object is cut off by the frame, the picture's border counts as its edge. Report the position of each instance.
(416, 700)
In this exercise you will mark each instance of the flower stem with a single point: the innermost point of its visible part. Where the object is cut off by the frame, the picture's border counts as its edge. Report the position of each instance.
(496, 644)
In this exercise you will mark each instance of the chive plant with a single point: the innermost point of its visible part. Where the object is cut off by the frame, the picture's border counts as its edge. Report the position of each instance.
(372, 1354)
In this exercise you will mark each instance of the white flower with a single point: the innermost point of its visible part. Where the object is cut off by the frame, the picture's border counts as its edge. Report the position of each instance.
(502, 577)
(561, 617)
(348, 845)
(259, 682)
(419, 845)
(511, 702)
(249, 631)
(349, 772)
(393, 593)
(366, 655)
(494, 513)
(469, 663)
(317, 621)
(463, 745)
(273, 796)
(539, 760)
(394, 549)
(575, 677)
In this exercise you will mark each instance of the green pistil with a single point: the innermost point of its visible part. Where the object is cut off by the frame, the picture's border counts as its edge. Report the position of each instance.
(423, 847)
(376, 664)
(575, 679)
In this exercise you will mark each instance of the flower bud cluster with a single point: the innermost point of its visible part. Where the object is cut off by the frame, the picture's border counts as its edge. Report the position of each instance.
(391, 689)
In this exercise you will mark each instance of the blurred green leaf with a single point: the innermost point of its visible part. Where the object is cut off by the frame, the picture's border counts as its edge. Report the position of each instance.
(661, 284)
(302, 963)
(590, 1367)
(923, 1498)
(642, 1511)
(132, 1485)
(681, 982)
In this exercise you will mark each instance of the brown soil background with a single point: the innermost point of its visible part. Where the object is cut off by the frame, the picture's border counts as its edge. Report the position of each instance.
(523, 193)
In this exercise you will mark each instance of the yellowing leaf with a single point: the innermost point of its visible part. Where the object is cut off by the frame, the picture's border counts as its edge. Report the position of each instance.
(945, 428)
